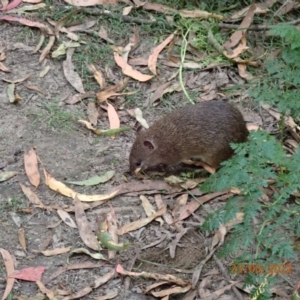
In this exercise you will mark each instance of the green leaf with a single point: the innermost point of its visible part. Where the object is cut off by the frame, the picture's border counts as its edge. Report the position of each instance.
(7, 175)
(95, 180)
(107, 241)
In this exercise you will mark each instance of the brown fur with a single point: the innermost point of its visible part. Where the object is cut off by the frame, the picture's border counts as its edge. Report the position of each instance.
(202, 131)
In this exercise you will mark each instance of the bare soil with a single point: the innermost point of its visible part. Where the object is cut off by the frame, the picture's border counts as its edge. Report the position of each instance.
(71, 152)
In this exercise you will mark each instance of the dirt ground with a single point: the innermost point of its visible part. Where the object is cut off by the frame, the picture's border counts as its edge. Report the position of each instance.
(71, 152)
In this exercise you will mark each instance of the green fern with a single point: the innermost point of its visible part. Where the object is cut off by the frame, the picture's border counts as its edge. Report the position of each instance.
(279, 86)
(252, 167)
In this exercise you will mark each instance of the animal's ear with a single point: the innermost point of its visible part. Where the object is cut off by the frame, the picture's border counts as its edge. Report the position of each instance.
(149, 145)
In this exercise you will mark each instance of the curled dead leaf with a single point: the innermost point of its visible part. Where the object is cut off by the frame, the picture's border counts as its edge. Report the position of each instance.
(129, 71)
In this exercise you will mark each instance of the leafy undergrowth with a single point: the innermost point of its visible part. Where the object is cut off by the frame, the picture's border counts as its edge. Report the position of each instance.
(111, 68)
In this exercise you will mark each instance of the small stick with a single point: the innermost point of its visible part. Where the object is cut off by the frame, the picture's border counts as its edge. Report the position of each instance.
(256, 27)
(224, 273)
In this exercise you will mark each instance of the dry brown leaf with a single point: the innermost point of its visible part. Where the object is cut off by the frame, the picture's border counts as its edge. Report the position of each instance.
(159, 8)
(58, 186)
(142, 222)
(112, 224)
(61, 188)
(208, 168)
(98, 76)
(79, 266)
(147, 185)
(49, 293)
(219, 237)
(239, 217)
(33, 88)
(44, 28)
(31, 167)
(168, 277)
(2, 56)
(44, 72)
(32, 1)
(103, 34)
(135, 38)
(4, 68)
(149, 209)
(90, 126)
(109, 295)
(47, 49)
(138, 3)
(32, 197)
(18, 80)
(83, 26)
(243, 73)
(159, 92)
(287, 7)
(22, 239)
(184, 13)
(179, 204)
(129, 71)
(12, 94)
(126, 51)
(160, 203)
(194, 205)
(71, 35)
(9, 266)
(84, 228)
(242, 47)
(40, 44)
(252, 127)
(112, 91)
(171, 291)
(55, 251)
(103, 96)
(198, 14)
(4, 3)
(139, 61)
(176, 241)
(72, 76)
(61, 22)
(155, 285)
(91, 2)
(78, 97)
(92, 113)
(127, 10)
(218, 293)
(153, 57)
(99, 281)
(237, 35)
(138, 114)
(261, 8)
(103, 279)
(66, 218)
(114, 121)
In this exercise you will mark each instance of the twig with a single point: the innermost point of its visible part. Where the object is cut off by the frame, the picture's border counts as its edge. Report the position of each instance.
(256, 27)
(281, 7)
(225, 274)
(98, 12)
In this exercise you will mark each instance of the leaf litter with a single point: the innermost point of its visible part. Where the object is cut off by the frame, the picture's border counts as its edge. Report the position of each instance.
(183, 209)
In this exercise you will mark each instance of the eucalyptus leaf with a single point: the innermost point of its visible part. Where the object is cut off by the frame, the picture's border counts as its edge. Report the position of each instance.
(95, 179)
(6, 175)
(107, 241)
(86, 251)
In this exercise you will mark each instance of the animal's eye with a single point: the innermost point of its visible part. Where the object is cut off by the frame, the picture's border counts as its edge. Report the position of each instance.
(138, 163)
